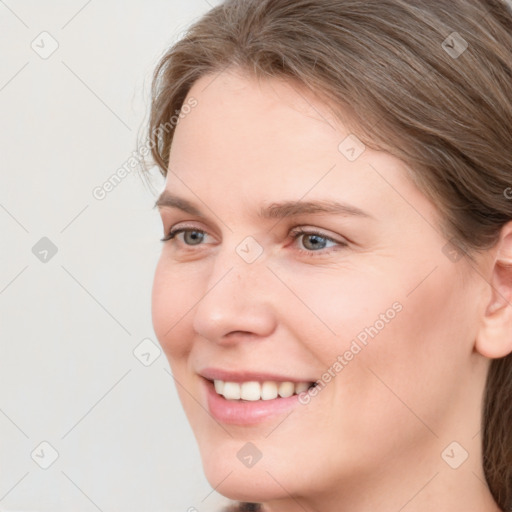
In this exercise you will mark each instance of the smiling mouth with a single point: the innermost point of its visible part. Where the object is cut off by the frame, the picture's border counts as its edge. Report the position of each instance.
(253, 390)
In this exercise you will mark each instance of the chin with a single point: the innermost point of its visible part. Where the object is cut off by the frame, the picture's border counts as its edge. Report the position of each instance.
(244, 485)
(231, 478)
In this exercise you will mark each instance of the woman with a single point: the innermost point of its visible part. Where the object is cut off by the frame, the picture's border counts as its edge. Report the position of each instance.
(333, 293)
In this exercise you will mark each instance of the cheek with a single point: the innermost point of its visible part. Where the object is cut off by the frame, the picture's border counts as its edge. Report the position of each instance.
(343, 305)
(392, 341)
(169, 306)
(417, 363)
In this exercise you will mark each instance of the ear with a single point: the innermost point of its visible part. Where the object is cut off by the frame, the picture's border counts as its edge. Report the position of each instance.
(494, 339)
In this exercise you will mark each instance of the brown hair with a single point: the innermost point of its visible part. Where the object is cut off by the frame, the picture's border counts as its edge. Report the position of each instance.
(428, 82)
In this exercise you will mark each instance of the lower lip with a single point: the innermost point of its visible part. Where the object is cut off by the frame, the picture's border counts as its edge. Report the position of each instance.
(243, 412)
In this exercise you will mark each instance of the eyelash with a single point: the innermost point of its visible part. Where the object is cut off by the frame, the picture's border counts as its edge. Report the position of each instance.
(295, 233)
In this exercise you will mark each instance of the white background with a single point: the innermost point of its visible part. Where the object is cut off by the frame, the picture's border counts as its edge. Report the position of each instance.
(68, 326)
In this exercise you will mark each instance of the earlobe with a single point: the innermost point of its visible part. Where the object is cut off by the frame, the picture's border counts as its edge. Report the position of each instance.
(494, 339)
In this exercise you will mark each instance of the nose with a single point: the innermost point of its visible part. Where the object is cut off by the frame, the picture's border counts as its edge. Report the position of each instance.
(237, 302)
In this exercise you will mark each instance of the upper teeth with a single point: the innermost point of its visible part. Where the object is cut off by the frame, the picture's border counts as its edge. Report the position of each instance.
(254, 390)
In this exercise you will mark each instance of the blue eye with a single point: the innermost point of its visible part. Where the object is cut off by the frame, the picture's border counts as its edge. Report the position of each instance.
(316, 240)
(173, 233)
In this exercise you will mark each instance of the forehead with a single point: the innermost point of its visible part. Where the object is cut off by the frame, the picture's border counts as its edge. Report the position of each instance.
(270, 140)
(242, 105)
(256, 130)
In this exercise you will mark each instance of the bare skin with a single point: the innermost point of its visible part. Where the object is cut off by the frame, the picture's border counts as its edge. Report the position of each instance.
(379, 435)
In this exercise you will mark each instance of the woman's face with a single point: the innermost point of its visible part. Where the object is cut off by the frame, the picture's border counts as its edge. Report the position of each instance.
(369, 301)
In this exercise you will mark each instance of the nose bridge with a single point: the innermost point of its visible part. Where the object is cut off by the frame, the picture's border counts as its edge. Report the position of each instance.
(235, 296)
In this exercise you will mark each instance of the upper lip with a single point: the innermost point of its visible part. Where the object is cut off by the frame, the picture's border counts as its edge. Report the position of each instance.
(247, 376)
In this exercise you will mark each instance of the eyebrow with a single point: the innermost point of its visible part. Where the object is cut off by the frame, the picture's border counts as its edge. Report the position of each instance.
(279, 210)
